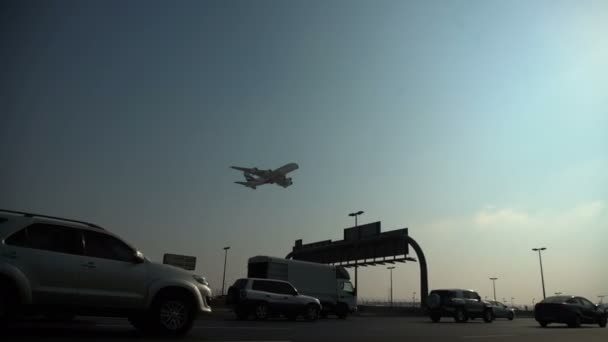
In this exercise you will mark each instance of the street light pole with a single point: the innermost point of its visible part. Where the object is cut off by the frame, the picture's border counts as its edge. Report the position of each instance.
(601, 297)
(494, 285)
(225, 259)
(414, 299)
(391, 270)
(360, 212)
(542, 276)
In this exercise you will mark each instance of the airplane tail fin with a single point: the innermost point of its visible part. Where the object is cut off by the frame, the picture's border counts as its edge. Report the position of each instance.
(246, 184)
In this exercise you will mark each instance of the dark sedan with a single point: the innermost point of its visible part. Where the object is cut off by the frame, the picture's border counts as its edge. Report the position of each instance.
(571, 310)
(502, 311)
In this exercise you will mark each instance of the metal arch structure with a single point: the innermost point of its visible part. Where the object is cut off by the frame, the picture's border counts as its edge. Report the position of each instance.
(364, 246)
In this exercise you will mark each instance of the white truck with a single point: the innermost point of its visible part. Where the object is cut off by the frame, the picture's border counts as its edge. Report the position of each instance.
(330, 284)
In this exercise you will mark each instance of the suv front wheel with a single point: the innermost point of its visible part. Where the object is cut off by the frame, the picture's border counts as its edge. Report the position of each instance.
(488, 316)
(173, 314)
(460, 316)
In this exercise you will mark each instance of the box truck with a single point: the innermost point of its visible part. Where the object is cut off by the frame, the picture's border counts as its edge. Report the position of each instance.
(330, 284)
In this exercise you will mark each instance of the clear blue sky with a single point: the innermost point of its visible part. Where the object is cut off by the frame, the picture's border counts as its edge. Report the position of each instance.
(480, 125)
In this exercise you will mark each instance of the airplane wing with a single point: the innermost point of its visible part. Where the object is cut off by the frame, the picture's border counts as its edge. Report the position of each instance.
(254, 171)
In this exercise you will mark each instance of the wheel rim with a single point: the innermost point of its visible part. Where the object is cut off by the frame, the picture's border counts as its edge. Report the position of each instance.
(261, 311)
(173, 315)
(312, 312)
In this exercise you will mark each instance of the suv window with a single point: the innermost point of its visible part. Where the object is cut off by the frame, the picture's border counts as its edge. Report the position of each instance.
(284, 288)
(585, 302)
(18, 239)
(263, 285)
(54, 238)
(98, 245)
(470, 295)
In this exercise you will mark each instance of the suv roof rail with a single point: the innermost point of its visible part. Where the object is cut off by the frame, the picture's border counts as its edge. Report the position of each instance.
(50, 217)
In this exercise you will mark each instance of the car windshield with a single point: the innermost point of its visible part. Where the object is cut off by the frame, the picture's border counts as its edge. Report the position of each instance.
(558, 299)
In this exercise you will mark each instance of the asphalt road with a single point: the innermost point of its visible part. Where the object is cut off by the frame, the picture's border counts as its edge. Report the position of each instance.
(353, 329)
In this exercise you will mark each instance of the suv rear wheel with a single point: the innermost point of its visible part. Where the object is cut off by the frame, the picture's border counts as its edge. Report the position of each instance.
(8, 300)
(576, 322)
(435, 318)
(603, 321)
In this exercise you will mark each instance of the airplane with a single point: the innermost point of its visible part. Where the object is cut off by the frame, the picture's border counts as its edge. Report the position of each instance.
(255, 177)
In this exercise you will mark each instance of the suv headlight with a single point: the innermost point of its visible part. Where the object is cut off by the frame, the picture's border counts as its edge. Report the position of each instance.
(200, 280)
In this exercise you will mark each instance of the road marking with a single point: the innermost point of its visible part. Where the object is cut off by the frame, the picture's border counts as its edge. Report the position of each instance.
(487, 336)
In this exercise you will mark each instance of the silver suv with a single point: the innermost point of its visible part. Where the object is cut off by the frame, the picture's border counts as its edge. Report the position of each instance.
(266, 297)
(56, 266)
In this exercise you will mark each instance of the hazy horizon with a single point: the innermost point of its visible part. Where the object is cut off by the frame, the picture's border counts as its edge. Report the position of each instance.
(481, 126)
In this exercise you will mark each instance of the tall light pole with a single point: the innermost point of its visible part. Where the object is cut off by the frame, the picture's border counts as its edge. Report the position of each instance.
(601, 297)
(414, 299)
(391, 270)
(512, 302)
(533, 301)
(494, 279)
(355, 215)
(542, 276)
(225, 259)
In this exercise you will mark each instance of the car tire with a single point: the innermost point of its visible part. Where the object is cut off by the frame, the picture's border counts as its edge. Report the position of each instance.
(576, 323)
(435, 318)
(172, 314)
(511, 316)
(488, 316)
(261, 311)
(342, 311)
(324, 314)
(543, 324)
(603, 321)
(312, 312)
(460, 316)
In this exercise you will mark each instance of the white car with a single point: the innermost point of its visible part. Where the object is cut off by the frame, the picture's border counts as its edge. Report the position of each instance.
(267, 297)
(56, 266)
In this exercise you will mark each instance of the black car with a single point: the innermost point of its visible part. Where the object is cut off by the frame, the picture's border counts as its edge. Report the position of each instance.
(460, 304)
(571, 310)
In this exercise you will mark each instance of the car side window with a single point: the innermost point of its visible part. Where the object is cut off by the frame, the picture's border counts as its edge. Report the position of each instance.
(262, 285)
(18, 239)
(104, 246)
(54, 238)
(586, 303)
(285, 289)
(470, 295)
(572, 301)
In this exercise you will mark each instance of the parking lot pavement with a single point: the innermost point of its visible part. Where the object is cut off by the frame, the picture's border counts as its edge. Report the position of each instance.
(375, 329)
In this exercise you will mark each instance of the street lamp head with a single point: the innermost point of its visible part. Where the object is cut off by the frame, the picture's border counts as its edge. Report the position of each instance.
(390, 268)
(359, 212)
(539, 249)
(494, 278)
(226, 248)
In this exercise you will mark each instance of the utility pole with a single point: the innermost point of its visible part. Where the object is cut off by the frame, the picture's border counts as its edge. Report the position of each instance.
(542, 276)
(225, 259)
(391, 271)
(494, 279)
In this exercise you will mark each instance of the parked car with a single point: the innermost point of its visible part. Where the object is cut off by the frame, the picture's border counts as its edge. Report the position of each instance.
(264, 298)
(571, 310)
(460, 304)
(63, 267)
(502, 311)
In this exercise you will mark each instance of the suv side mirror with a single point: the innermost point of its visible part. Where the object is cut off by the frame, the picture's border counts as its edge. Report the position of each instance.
(138, 258)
